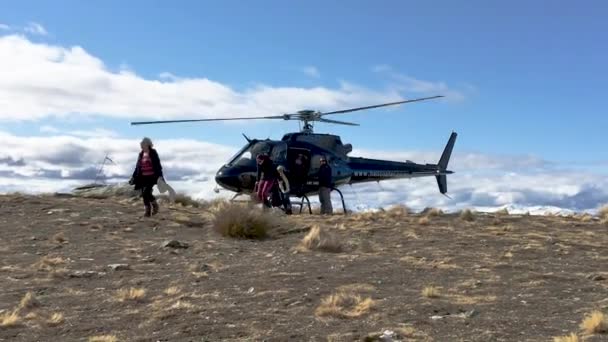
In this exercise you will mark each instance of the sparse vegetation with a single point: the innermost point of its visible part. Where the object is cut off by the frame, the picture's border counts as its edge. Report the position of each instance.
(48, 263)
(132, 294)
(430, 292)
(467, 215)
(569, 338)
(595, 323)
(187, 201)
(398, 211)
(59, 238)
(28, 301)
(432, 212)
(55, 319)
(172, 291)
(603, 212)
(320, 240)
(503, 211)
(8, 320)
(243, 221)
(424, 220)
(344, 305)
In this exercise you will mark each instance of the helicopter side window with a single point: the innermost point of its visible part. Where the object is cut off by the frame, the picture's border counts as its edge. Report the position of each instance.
(244, 154)
(279, 153)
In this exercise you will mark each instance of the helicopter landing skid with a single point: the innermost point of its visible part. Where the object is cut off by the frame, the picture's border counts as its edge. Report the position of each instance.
(342, 199)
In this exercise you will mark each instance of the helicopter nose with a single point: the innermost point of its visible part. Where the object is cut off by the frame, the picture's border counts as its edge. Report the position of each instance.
(228, 179)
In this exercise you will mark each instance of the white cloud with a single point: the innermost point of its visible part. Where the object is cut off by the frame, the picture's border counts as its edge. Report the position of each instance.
(311, 71)
(35, 28)
(4, 27)
(41, 80)
(60, 162)
(381, 68)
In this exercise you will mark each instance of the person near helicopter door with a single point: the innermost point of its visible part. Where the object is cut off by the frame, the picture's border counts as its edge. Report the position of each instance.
(325, 186)
(267, 176)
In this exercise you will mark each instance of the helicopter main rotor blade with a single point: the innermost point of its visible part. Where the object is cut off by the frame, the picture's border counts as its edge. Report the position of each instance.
(337, 122)
(200, 120)
(380, 105)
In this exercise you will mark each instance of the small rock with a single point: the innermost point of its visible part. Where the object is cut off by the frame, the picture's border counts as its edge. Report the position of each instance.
(251, 289)
(175, 244)
(436, 317)
(128, 229)
(119, 267)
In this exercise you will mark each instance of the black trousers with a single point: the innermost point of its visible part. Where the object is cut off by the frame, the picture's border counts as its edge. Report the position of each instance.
(148, 183)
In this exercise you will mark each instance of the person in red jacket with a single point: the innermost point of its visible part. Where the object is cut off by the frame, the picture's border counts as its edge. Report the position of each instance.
(266, 178)
(147, 171)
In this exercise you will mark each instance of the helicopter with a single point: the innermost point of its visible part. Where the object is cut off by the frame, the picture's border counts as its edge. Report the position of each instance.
(239, 173)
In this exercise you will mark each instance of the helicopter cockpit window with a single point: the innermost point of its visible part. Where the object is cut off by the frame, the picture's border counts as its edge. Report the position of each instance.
(244, 154)
(260, 148)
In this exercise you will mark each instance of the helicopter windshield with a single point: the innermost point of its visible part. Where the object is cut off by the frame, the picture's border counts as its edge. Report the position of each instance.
(243, 154)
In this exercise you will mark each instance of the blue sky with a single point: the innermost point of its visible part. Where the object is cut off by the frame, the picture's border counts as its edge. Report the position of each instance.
(524, 81)
(533, 75)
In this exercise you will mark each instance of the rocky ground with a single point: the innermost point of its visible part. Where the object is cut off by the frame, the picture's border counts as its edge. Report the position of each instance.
(86, 269)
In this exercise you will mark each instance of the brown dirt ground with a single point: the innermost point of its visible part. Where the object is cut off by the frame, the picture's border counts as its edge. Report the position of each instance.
(527, 278)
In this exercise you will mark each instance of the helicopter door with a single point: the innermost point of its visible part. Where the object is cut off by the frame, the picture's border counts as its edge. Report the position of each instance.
(279, 153)
(298, 172)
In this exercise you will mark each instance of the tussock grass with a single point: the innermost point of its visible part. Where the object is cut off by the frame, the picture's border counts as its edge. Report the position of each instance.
(186, 201)
(433, 212)
(59, 238)
(568, 338)
(603, 212)
(320, 240)
(55, 319)
(398, 211)
(172, 291)
(430, 292)
(586, 218)
(103, 338)
(424, 220)
(243, 221)
(132, 294)
(467, 215)
(29, 301)
(9, 320)
(595, 323)
(48, 263)
(344, 305)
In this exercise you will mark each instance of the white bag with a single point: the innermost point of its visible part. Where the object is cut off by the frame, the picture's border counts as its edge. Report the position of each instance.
(164, 187)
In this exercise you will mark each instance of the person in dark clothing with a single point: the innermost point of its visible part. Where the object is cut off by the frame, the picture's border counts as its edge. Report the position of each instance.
(299, 174)
(266, 178)
(147, 171)
(325, 186)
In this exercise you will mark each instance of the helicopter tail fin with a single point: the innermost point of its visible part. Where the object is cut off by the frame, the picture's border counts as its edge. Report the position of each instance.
(442, 183)
(442, 166)
(447, 152)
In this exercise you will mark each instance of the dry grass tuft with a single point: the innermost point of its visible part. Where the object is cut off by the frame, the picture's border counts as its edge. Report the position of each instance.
(60, 238)
(430, 292)
(586, 218)
(55, 319)
(424, 220)
(131, 294)
(320, 240)
(467, 215)
(569, 338)
(104, 338)
(603, 212)
(172, 291)
(243, 221)
(434, 212)
(48, 263)
(344, 305)
(595, 323)
(29, 301)
(187, 201)
(9, 320)
(398, 211)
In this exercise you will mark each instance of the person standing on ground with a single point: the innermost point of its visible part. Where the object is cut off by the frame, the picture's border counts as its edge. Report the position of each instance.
(325, 186)
(266, 178)
(147, 171)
